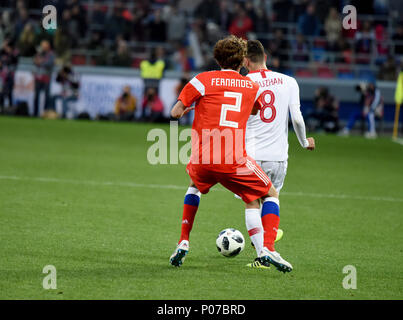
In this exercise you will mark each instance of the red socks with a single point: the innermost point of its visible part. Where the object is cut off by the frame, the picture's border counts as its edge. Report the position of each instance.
(191, 204)
(270, 221)
(270, 225)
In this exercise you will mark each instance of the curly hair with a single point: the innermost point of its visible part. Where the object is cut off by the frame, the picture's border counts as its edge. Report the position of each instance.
(230, 52)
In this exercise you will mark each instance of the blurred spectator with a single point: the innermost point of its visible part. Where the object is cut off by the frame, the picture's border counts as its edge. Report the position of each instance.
(22, 19)
(333, 28)
(70, 27)
(3, 72)
(322, 8)
(241, 24)
(365, 7)
(325, 116)
(372, 107)
(7, 26)
(152, 106)
(78, 17)
(95, 28)
(99, 15)
(345, 52)
(70, 85)
(281, 9)
(250, 10)
(363, 43)
(395, 9)
(122, 56)
(225, 16)
(181, 60)
(102, 52)
(308, 23)
(152, 70)
(115, 22)
(157, 27)
(95, 42)
(43, 61)
(176, 26)
(196, 39)
(27, 41)
(279, 46)
(276, 64)
(261, 25)
(9, 60)
(139, 14)
(128, 19)
(207, 10)
(382, 47)
(398, 37)
(381, 7)
(388, 70)
(62, 44)
(125, 105)
(300, 49)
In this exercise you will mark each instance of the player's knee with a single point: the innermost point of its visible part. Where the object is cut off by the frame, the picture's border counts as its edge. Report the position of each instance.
(192, 184)
(255, 204)
(273, 192)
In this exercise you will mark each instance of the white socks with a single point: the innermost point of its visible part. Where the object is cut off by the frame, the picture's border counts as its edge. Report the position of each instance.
(254, 225)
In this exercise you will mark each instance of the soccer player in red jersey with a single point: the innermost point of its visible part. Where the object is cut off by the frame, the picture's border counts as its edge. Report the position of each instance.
(224, 100)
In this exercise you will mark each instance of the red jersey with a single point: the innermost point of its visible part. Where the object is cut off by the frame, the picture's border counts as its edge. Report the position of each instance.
(223, 103)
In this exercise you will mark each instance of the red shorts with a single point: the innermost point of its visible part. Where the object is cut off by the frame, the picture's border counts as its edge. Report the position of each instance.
(248, 181)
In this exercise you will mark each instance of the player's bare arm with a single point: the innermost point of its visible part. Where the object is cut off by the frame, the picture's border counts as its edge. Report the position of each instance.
(179, 110)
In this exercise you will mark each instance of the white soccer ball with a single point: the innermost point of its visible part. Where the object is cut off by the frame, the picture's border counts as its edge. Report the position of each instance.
(230, 242)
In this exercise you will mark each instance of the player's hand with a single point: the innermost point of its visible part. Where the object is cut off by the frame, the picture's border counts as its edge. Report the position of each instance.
(311, 145)
(187, 110)
(365, 111)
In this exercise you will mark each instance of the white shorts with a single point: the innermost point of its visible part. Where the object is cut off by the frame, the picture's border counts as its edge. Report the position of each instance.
(276, 170)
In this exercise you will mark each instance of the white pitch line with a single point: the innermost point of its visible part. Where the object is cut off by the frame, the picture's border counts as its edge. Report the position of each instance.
(183, 187)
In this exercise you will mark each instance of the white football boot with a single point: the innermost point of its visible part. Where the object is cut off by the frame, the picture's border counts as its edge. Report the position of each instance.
(274, 258)
(370, 135)
(179, 254)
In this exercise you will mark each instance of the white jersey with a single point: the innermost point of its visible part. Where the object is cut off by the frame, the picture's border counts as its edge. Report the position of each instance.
(267, 132)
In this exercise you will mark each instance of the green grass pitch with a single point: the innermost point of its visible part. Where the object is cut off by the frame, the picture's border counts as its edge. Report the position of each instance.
(81, 196)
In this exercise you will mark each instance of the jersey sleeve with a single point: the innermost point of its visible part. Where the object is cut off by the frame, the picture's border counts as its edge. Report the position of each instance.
(294, 93)
(296, 115)
(258, 98)
(192, 91)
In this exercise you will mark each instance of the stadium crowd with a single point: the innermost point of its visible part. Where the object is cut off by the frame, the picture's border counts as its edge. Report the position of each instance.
(303, 37)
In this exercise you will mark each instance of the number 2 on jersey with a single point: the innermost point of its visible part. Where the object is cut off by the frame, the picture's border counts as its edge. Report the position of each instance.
(230, 107)
(266, 105)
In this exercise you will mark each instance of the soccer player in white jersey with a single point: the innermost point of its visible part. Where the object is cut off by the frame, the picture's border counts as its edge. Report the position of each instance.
(267, 135)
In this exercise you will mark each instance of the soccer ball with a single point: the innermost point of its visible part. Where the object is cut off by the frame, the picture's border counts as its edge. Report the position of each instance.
(230, 242)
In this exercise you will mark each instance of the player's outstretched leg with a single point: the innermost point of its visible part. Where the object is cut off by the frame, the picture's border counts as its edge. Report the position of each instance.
(270, 221)
(254, 226)
(190, 206)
